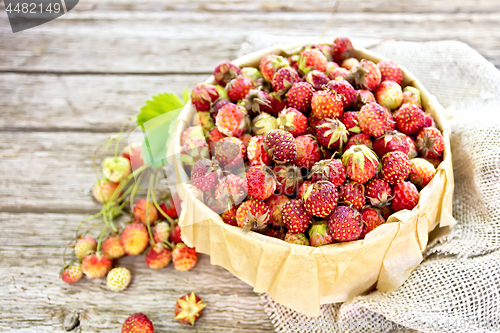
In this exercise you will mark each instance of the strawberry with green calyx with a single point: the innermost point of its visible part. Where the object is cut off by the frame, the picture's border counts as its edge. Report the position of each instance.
(112, 247)
(409, 119)
(316, 79)
(331, 169)
(332, 133)
(118, 279)
(319, 234)
(231, 120)
(261, 182)
(327, 104)
(284, 79)
(231, 190)
(378, 192)
(188, 309)
(203, 95)
(308, 151)
(411, 95)
(350, 121)
(299, 96)
(134, 238)
(430, 142)
(422, 172)
(263, 124)
(276, 202)
(288, 178)
(184, 257)
(206, 174)
(345, 224)
(292, 121)
(72, 273)
(270, 64)
(138, 322)
(349, 63)
(361, 163)
(390, 71)
(295, 217)
(389, 94)
(253, 215)
(225, 72)
(238, 88)
(280, 146)
(310, 59)
(252, 73)
(299, 238)
(85, 246)
(391, 141)
(371, 218)
(96, 265)
(373, 119)
(320, 198)
(255, 151)
(158, 256)
(342, 49)
(366, 75)
(396, 167)
(363, 97)
(257, 101)
(405, 196)
(352, 193)
(115, 169)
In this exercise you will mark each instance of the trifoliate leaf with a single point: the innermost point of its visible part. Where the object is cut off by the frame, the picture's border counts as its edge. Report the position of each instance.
(158, 105)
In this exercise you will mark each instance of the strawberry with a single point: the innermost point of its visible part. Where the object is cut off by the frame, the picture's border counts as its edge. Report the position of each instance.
(231, 190)
(316, 79)
(96, 265)
(217, 106)
(385, 211)
(412, 151)
(430, 142)
(134, 238)
(409, 119)
(270, 64)
(319, 234)
(72, 273)
(342, 49)
(429, 121)
(276, 202)
(345, 89)
(214, 136)
(405, 196)
(308, 151)
(349, 63)
(145, 212)
(391, 141)
(158, 256)
(320, 198)
(278, 233)
(312, 59)
(115, 169)
(371, 218)
(292, 121)
(373, 119)
(303, 187)
(188, 309)
(203, 95)
(231, 120)
(299, 96)
(118, 279)
(245, 138)
(205, 120)
(358, 139)
(350, 121)
(411, 95)
(345, 224)
(257, 101)
(435, 161)
(238, 88)
(363, 97)
(331, 133)
(391, 124)
(225, 72)
(170, 207)
(256, 153)
(366, 75)
(253, 215)
(332, 170)
(352, 193)
(280, 145)
(339, 73)
(331, 65)
(395, 167)
(193, 150)
(184, 257)
(389, 94)
(299, 238)
(313, 123)
(295, 217)
(263, 124)
(103, 191)
(161, 232)
(175, 234)
(229, 216)
(84, 246)
(277, 103)
(229, 152)
(327, 104)
(138, 322)
(284, 79)
(133, 153)
(261, 182)
(112, 247)
(390, 71)
(361, 163)
(205, 174)
(192, 133)
(422, 172)
(288, 179)
(378, 192)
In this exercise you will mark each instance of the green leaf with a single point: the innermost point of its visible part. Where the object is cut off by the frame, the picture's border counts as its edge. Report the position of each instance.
(185, 95)
(158, 105)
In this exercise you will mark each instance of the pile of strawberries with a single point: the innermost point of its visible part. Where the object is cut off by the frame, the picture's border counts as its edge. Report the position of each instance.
(314, 148)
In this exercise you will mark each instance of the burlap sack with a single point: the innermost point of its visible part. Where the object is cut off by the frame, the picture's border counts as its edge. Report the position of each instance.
(300, 277)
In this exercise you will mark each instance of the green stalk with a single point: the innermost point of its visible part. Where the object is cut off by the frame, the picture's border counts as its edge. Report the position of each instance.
(101, 236)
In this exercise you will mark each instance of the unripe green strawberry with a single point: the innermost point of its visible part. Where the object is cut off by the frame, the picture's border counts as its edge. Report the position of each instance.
(134, 238)
(345, 224)
(371, 218)
(263, 124)
(299, 239)
(378, 192)
(138, 322)
(389, 94)
(158, 256)
(430, 142)
(115, 169)
(320, 198)
(73, 273)
(261, 182)
(299, 96)
(280, 145)
(270, 64)
(342, 49)
(84, 246)
(188, 309)
(96, 265)
(103, 191)
(367, 75)
(319, 234)
(112, 247)
(118, 279)
(231, 120)
(205, 120)
(192, 133)
(292, 121)
(225, 72)
(422, 172)
(194, 150)
(409, 119)
(361, 163)
(331, 133)
(395, 167)
(412, 95)
(276, 202)
(405, 196)
(390, 71)
(253, 215)
(349, 63)
(352, 193)
(332, 170)
(203, 95)
(373, 119)
(145, 212)
(295, 217)
(184, 257)
(252, 73)
(327, 104)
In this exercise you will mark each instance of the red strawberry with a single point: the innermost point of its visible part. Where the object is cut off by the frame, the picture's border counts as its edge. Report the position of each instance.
(238, 88)
(231, 190)
(391, 141)
(171, 207)
(361, 163)
(112, 247)
(280, 145)
(225, 72)
(276, 202)
(312, 59)
(366, 75)
(158, 256)
(303, 187)
(256, 153)
(261, 182)
(389, 94)
(292, 121)
(331, 170)
(299, 239)
(409, 119)
(245, 139)
(253, 215)
(359, 139)
(378, 192)
(134, 238)
(411, 95)
(350, 121)
(278, 233)
(349, 63)
(133, 153)
(430, 142)
(270, 64)
(320, 198)
(288, 179)
(138, 322)
(352, 193)
(230, 152)
(205, 174)
(412, 144)
(175, 235)
(184, 257)
(277, 103)
(339, 72)
(363, 97)
(263, 124)
(405, 196)
(295, 217)
(345, 89)
(395, 167)
(203, 95)
(422, 172)
(390, 71)
(327, 104)
(231, 120)
(313, 122)
(308, 151)
(161, 232)
(284, 79)
(342, 49)
(229, 216)
(145, 212)
(345, 224)
(373, 119)
(319, 234)
(188, 309)
(257, 101)
(96, 265)
(371, 218)
(429, 121)
(331, 133)
(299, 96)
(73, 273)
(103, 191)
(84, 246)
(316, 79)
(214, 136)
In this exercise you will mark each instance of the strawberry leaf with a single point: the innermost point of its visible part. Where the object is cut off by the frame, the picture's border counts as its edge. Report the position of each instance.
(158, 105)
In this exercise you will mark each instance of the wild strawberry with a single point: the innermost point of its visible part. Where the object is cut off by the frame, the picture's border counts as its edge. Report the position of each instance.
(350, 121)
(308, 151)
(361, 163)
(175, 234)
(225, 72)
(373, 119)
(349, 63)
(138, 322)
(158, 256)
(231, 120)
(303, 187)
(214, 135)
(352, 193)
(366, 75)
(391, 141)
(161, 232)
(412, 144)
(133, 153)
(280, 145)
(331, 65)
(359, 139)
(115, 169)
(435, 161)
(422, 172)
(253, 215)
(319, 234)
(263, 124)
(231, 190)
(331, 170)
(409, 119)
(389, 94)
(188, 309)
(261, 182)
(345, 224)
(339, 73)
(327, 104)
(429, 121)
(73, 273)
(203, 95)
(278, 233)
(229, 216)
(331, 133)
(134, 238)
(112, 247)
(316, 79)
(257, 101)
(145, 211)
(284, 79)
(345, 89)
(411, 95)
(313, 122)
(390, 71)
(270, 64)
(252, 73)
(170, 207)
(184, 257)
(385, 211)
(194, 150)
(84, 246)
(342, 49)
(363, 97)
(299, 239)
(238, 88)
(312, 59)
(288, 179)
(395, 167)
(230, 152)
(295, 217)
(430, 142)
(205, 174)
(405, 196)
(320, 198)
(276, 202)
(378, 192)
(299, 96)
(118, 279)
(371, 218)
(391, 124)
(217, 106)
(277, 103)
(256, 153)
(205, 120)
(292, 121)
(96, 265)
(192, 133)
